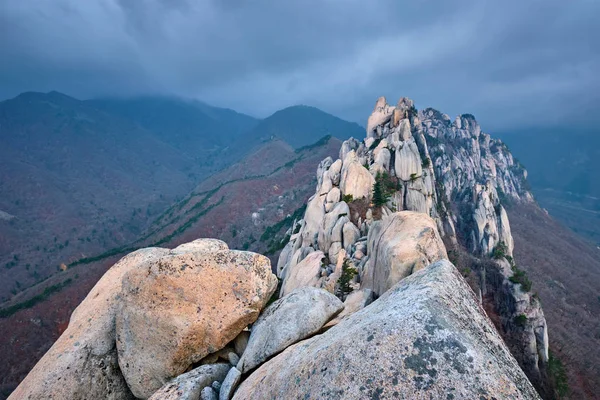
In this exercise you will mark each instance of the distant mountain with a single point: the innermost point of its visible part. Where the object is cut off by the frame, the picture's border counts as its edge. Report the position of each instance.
(77, 180)
(560, 158)
(80, 177)
(192, 127)
(563, 170)
(302, 125)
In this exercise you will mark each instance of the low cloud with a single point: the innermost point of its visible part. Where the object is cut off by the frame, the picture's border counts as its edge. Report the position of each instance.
(513, 64)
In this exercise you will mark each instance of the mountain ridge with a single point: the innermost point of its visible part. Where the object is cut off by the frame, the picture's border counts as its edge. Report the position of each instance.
(320, 124)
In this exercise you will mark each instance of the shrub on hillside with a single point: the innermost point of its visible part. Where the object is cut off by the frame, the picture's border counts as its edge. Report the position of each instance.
(520, 277)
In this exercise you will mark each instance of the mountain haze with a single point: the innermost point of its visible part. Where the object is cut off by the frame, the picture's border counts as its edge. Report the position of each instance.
(303, 125)
(563, 171)
(194, 128)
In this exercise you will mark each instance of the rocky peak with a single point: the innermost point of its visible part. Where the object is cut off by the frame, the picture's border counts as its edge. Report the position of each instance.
(416, 181)
(365, 276)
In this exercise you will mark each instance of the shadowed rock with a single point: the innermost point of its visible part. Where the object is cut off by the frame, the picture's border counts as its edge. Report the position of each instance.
(189, 385)
(400, 245)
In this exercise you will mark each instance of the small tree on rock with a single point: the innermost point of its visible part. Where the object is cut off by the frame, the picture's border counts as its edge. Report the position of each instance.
(348, 274)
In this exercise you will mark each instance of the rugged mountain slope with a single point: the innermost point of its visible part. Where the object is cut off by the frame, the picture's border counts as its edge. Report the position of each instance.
(301, 126)
(194, 128)
(77, 181)
(449, 170)
(245, 204)
(564, 174)
(563, 159)
(565, 271)
(248, 209)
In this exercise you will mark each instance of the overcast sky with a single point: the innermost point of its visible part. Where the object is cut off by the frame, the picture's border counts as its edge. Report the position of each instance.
(510, 63)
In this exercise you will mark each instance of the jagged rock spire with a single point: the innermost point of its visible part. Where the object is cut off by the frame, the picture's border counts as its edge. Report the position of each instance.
(449, 171)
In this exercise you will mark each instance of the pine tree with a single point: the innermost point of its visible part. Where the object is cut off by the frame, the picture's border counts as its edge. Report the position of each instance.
(348, 274)
(380, 195)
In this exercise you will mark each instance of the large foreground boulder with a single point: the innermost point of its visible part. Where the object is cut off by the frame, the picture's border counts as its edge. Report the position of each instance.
(82, 363)
(290, 319)
(399, 245)
(183, 307)
(426, 338)
(199, 295)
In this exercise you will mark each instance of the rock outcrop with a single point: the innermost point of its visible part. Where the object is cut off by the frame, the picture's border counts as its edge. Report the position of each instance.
(370, 306)
(425, 338)
(448, 171)
(398, 246)
(290, 319)
(183, 307)
(355, 181)
(82, 364)
(162, 310)
(306, 273)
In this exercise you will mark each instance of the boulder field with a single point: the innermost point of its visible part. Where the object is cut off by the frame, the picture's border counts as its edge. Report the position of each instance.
(193, 323)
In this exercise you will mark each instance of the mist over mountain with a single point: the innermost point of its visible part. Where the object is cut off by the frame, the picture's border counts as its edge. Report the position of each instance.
(194, 128)
(564, 173)
(303, 125)
(82, 177)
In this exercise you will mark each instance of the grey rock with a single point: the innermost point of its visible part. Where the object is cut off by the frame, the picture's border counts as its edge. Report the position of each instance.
(188, 386)
(305, 273)
(425, 338)
(230, 384)
(240, 342)
(208, 393)
(288, 320)
(355, 179)
(400, 245)
(408, 161)
(356, 300)
(350, 234)
(233, 358)
(334, 171)
(326, 232)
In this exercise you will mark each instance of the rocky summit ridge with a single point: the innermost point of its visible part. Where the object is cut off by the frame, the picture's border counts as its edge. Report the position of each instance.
(451, 171)
(368, 304)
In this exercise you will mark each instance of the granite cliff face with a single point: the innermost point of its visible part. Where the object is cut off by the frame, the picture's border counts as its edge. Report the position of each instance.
(423, 162)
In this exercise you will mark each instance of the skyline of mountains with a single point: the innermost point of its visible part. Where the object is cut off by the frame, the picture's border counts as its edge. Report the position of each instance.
(85, 182)
(65, 161)
(81, 177)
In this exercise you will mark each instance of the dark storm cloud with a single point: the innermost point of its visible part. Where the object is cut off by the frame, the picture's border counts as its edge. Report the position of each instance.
(510, 63)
